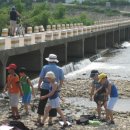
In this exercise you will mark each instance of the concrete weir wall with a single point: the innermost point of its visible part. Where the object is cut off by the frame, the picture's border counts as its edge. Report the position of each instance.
(32, 56)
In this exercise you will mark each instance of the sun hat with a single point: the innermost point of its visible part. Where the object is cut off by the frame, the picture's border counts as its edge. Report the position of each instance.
(50, 74)
(93, 73)
(11, 66)
(52, 58)
(101, 76)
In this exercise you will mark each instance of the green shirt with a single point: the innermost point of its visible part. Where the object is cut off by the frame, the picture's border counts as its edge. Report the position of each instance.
(25, 85)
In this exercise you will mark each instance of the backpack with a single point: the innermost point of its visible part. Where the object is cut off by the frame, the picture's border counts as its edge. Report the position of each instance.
(18, 125)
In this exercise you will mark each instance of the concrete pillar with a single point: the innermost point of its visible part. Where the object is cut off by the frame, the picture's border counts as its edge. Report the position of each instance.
(90, 45)
(109, 39)
(126, 34)
(59, 50)
(66, 53)
(41, 56)
(75, 49)
(122, 34)
(116, 36)
(101, 41)
(3, 61)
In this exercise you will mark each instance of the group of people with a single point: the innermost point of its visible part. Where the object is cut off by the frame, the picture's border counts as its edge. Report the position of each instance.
(50, 82)
(104, 93)
(18, 85)
(49, 85)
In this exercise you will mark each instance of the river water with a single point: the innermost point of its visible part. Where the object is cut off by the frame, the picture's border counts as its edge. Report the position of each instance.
(116, 63)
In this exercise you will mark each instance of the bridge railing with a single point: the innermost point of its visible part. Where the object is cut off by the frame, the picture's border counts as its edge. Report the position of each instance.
(64, 32)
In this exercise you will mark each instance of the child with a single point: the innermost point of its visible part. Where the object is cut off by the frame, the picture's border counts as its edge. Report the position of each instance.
(99, 98)
(112, 92)
(26, 88)
(14, 89)
(53, 98)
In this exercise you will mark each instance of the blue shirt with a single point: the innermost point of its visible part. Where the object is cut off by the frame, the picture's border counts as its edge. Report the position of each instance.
(55, 69)
(55, 95)
(114, 92)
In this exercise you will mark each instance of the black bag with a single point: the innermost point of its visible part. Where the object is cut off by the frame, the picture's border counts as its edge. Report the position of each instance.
(18, 124)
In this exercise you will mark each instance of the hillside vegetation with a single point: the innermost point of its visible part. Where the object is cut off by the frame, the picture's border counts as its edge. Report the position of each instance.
(44, 13)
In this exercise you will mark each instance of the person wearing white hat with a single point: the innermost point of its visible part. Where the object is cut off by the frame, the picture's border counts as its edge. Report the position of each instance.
(43, 84)
(53, 98)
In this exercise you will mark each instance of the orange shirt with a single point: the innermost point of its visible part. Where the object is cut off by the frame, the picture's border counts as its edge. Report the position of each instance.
(12, 81)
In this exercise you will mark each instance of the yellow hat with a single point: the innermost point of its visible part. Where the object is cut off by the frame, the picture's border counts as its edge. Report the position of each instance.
(101, 76)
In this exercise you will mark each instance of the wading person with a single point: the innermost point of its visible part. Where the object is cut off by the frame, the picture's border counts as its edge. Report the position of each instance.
(43, 85)
(53, 98)
(27, 89)
(113, 96)
(14, 90)
(97, 93)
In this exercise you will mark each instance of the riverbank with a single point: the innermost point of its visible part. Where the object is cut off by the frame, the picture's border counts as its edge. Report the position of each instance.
(77, 88)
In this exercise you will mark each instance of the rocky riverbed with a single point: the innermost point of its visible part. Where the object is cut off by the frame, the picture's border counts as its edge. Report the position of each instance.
(75, 88)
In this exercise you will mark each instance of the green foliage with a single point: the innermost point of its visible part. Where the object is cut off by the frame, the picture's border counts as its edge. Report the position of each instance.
(4, 19)
(59, 11)
(19, 5)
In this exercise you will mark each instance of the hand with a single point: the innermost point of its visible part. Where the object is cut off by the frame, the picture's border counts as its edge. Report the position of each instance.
(43, 97)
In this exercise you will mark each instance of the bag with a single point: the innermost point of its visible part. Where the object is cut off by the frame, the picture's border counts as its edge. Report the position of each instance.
(18, 124)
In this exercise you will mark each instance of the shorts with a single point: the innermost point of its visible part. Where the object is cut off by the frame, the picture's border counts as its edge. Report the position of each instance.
(14, 100)
(13, 23)
(111, 102)
(26, 99)
(42, 104)
(54, 103)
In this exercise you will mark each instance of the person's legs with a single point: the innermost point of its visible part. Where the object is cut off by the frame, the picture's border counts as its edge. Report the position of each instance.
(14, 99)
(112, 101)
(13, 27)
(61, 114)
(99, 109)
(105, 107)
(42, 104)
(46, 113)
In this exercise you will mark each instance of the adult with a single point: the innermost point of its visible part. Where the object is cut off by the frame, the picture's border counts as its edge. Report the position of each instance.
(43, 85)
(13, 20)
(14, 90)
(96, 94)
(113, 95)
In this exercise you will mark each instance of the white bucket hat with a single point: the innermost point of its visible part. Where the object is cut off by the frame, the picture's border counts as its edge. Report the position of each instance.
(50, 74)
(52, 58)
